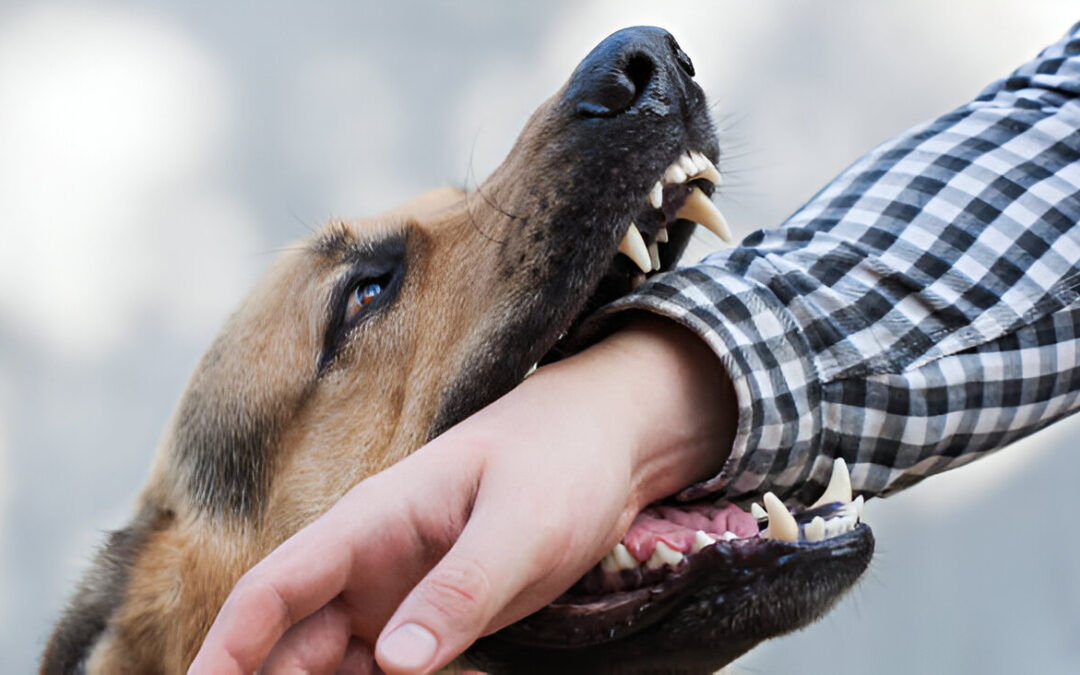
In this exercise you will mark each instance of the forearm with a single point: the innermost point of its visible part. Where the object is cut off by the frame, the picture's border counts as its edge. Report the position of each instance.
(927, 256)
(669, 386)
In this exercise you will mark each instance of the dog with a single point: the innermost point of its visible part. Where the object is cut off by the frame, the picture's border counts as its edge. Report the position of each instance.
(373, 336)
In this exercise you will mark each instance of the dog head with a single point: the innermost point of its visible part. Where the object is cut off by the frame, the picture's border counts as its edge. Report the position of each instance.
(373, 336)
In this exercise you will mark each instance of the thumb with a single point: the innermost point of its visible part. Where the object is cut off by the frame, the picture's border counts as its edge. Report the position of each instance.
(487, 568)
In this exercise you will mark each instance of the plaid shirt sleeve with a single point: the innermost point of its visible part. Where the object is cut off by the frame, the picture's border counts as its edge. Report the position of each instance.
(919, 312)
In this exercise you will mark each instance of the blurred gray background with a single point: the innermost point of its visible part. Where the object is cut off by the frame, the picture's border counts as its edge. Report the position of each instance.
(154, 156)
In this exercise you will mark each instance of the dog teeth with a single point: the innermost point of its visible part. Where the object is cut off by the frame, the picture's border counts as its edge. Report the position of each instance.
(758, 512)
(674, 174)
(815, 531)
(782, 524)
(700, 209)
(654, 255)
(706, 169)
(656, 195)
(688, 165)
(839, 489)
(842, 524)
(701, 540)
(663, 555)
(622, 558)
(633, 247)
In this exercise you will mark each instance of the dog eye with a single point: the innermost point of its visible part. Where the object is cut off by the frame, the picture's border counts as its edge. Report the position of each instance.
(362, 295)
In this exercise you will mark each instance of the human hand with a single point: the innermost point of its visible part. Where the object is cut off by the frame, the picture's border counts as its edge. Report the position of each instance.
(488, 522)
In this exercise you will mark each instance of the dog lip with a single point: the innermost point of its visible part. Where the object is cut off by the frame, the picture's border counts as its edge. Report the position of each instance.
(582, 621)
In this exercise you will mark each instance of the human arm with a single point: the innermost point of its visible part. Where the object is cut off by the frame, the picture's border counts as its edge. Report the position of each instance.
(491, 520)
(919, 312)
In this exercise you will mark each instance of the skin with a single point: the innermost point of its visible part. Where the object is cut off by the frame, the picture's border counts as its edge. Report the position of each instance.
(484, 525)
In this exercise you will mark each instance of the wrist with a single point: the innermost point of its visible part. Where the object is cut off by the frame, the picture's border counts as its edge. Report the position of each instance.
(672, 402)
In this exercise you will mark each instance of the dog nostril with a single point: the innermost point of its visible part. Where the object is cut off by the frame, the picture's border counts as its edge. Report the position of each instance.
(616, 90)
(681, 57)
(640, 71)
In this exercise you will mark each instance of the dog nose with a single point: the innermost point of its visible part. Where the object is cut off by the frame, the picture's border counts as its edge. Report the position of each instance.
(612, 78)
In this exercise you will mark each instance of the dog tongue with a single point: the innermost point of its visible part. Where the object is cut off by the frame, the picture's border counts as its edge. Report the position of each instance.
(675, 526)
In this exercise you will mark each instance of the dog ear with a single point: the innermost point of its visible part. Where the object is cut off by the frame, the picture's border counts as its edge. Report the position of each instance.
(99, 594)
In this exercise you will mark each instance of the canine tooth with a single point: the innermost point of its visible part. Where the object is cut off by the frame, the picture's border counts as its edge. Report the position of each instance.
(674, 174)
(815, 531)
(782, 524)
(701, 540)
(624, 560)
(757, 512)
(700, 209)
(633, 246)
(656, 195)
(839, 489)
(858, 504)
(654, 255)
(663, 555)
(688, 165)
(661, 235)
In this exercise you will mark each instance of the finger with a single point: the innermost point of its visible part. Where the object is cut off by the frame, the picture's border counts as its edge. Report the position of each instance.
(489, 565)
(315, 645)
(358, 660)
(299, 577)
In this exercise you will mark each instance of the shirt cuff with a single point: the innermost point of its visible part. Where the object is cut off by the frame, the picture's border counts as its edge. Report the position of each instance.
(770, 364)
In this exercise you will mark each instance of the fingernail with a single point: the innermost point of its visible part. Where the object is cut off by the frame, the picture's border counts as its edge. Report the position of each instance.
(407, 647)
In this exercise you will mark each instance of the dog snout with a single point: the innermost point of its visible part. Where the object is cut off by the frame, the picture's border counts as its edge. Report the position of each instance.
(614, 78)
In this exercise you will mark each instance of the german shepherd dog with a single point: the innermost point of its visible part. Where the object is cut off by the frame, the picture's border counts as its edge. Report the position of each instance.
(418, 318)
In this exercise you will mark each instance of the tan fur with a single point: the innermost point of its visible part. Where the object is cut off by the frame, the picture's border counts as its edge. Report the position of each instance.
(357, 421)
(267, 436)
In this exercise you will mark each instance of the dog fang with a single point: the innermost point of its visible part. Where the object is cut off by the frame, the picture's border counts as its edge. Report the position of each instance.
(633, 247)
(782, 524)
(839, 489)
(700, 209)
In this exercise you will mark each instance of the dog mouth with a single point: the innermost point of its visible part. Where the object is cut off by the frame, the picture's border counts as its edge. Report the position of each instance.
(691, 585)
(683, 580)
(663, 539)
(672, 549)
(654, 239)
(684, 192)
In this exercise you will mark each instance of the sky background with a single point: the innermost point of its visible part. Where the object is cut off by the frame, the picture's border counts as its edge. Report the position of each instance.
(155, 155)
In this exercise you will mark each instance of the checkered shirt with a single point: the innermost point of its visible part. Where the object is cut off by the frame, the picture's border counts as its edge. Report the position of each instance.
(918, 313)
